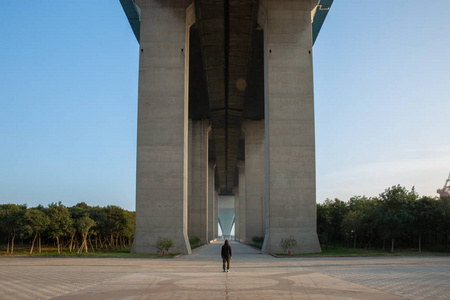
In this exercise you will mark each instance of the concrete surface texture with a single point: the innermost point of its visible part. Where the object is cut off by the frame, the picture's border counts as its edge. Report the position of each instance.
(242, 201)
(198, 180)
(254, 179)
(237, 222)
(199, 276)
(211, 201)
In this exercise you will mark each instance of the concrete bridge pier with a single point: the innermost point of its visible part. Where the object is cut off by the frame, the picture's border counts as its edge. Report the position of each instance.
(242, 201)
(162, 143)
(252, 72)
(212, 221)
(198, 179)
(289, 124)
(254, 179)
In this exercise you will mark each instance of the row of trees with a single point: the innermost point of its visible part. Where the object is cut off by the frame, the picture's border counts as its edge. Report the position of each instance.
(397, 217)
(74, 228)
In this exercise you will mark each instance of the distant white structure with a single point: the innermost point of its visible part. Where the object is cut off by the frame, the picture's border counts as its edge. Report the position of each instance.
(445, 191)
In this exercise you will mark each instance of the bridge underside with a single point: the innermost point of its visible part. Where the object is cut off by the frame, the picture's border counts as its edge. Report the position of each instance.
(226, 108)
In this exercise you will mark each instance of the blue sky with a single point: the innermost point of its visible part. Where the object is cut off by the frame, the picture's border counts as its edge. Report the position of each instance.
(68, 100)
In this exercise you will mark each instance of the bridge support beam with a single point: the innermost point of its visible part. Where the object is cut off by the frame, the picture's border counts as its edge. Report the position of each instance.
(254, 179)
(289, 127)
(162, 142)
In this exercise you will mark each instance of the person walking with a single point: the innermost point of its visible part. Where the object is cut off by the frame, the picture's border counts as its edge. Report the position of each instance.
(226, 256)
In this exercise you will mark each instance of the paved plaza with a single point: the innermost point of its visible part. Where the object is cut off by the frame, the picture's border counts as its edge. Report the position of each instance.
(199, 276)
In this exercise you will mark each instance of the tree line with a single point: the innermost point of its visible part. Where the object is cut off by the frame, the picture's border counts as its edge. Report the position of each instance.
(77, 228)
(398, 217)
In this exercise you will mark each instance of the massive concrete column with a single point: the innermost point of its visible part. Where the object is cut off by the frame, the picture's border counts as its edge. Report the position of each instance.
(162, 142)
(216, 213)
(242, 204)
(254, 179)
(211, 201)
(236, 213)
(289, 113)
(198, 180)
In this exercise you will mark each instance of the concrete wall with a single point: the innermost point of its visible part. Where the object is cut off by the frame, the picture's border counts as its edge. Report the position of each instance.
(161, 178)
(289, 112)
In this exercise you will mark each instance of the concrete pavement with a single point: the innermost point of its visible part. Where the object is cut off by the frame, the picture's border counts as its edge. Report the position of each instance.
(199, 276)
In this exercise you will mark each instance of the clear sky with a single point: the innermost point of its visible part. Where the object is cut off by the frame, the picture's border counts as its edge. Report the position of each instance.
(68, 100)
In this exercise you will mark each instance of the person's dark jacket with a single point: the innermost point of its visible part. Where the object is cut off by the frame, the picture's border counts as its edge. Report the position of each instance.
(226, 251)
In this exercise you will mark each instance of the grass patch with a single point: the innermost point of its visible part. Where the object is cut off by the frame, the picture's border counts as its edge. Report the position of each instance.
(196, 246)
(341, 251)
(50, 252)
(256, 246)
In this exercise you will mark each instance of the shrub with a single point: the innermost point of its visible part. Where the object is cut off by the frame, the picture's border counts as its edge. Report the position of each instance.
(195, 241)
(288, 243)
(164, 244)
(258, 240)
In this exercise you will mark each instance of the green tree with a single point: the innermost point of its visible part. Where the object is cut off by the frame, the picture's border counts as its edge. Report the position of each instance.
(395, 211)
(38, 222)
(83, 225)
(100, 230)
(117, 221)
(352, 224)
(323, 224)
(76, 212)
(12, 218)
(359, 221)
(60, 222)
(337, 211)
(426, 214)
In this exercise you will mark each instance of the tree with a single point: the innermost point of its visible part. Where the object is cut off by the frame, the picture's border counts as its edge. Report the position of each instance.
(117, 221)
(83, 225)
(77, 212)
(100, 230)
(12, 218)
(426, 213)
(395, 211)
(323, 224)
(60, 222)
(37, 221)
(359, 221)
(337, 211)
(351, 224)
